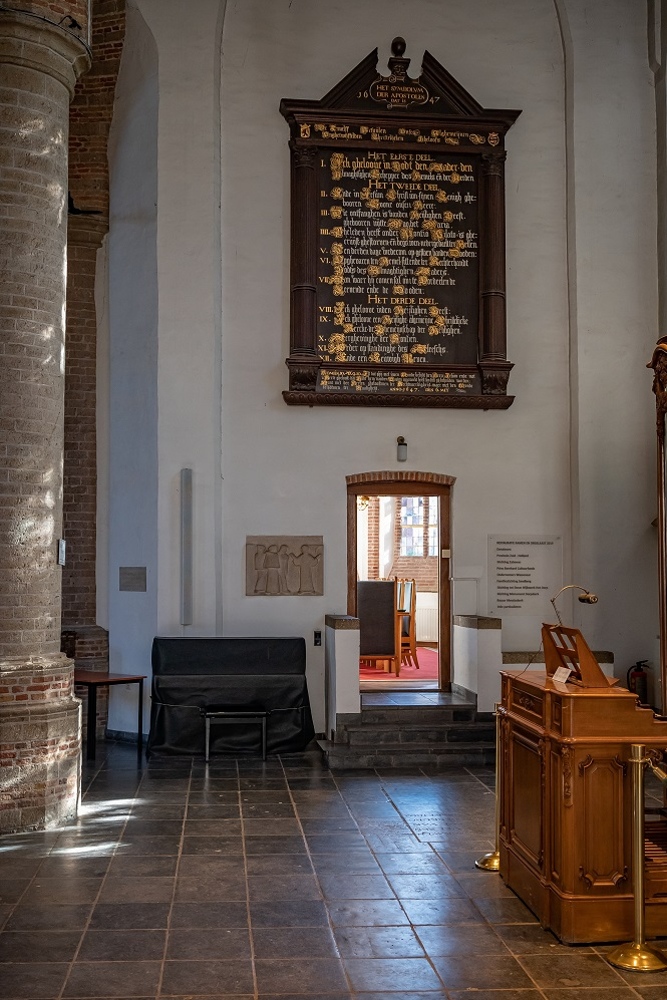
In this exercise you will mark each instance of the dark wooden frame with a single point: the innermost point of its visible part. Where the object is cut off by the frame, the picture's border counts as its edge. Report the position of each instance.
(405, 487)
(465, 128)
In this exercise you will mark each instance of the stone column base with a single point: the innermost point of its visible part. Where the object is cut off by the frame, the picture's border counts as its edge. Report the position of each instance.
(40, 743)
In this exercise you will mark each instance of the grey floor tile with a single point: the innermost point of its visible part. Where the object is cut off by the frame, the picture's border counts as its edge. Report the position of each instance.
(293, 914)
(287, 887)
(505, 911)
(127, 890)
(466, 939)
(48, 917)
(279, 864)
(209, 915)
(125, 867)
(274, 845)
(484, 972)
(307, 976)
(47, 945)
(220, 888)
(207, 978)
(275, 828)
(130, 916)
(410, 864)
(294, 942)
(12, 889)
(425, 886)
(367, 913)
(220, 943)
(356, 862)
(213, 827)
(112, 979)
(391, 974)
(378, 942)
(207, 866)
(441, 911)
(59, 890)
(339, 886)
(531, 939)
(130, 946)
(527, 994)
(576, 970)
(60, 866)
(148, 846)
(608, 993)
(33, 981)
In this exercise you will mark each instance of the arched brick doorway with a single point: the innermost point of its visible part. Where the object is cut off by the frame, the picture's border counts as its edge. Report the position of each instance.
(408, 484)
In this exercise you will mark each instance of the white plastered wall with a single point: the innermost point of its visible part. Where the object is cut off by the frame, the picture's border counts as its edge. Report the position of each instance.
(580, 283)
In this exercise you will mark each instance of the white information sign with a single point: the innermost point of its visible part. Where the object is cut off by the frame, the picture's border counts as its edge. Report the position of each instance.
(524, 573)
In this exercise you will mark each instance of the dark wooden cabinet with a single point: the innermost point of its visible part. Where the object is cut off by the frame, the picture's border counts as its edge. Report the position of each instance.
(565, 806)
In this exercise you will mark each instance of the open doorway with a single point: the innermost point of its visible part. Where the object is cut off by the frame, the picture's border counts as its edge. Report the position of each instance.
(399, 558)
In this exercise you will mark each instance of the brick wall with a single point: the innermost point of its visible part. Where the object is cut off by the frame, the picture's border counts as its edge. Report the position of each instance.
(373, 538)
(56, 11)
(91, 113)
(424, 570)
(91, 110)
(90, 118)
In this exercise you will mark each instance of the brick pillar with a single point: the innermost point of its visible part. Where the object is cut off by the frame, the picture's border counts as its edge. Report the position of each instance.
(39, 715)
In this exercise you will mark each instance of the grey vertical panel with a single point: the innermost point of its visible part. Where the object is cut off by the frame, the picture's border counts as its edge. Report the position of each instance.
(186, 546)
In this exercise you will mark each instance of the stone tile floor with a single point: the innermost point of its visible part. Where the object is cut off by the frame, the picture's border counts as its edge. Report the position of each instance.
(279, 880)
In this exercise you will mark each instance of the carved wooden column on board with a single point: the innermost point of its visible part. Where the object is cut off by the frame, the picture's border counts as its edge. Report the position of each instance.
(659, 365)
(493, 325)
(303, 358)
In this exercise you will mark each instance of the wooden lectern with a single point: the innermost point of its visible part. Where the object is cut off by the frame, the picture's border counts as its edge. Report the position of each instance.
(565, 797)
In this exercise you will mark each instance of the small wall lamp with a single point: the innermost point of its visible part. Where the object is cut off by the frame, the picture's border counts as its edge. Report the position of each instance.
(401, 449)
(584, 598)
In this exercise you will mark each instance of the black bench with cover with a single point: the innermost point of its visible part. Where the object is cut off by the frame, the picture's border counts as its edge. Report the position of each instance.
(193, 675)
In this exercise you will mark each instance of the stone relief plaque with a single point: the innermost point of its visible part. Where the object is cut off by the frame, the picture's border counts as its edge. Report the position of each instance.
(398, 268)
(284, 566)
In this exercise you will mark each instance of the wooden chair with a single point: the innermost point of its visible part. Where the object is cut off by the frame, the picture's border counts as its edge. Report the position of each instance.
(406, 605)
(379, 625)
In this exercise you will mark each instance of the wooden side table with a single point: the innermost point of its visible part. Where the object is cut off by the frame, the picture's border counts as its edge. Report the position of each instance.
(92, 679)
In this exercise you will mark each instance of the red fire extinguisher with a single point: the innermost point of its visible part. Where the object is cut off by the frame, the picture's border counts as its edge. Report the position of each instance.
(638, 680)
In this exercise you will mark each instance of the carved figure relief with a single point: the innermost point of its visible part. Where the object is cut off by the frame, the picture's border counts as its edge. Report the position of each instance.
(284, 566)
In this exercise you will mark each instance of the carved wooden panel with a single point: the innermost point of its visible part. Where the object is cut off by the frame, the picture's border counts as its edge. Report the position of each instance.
(527, 796)
(529, 705)
(601, 839)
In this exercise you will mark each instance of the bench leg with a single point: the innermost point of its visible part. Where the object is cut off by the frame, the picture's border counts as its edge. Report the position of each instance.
(208, 738)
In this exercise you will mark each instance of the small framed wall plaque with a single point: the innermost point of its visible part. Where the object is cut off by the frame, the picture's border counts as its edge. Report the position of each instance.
(398, 242)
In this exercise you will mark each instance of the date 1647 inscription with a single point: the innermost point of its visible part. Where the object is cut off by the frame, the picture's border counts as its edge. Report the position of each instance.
(410, 381)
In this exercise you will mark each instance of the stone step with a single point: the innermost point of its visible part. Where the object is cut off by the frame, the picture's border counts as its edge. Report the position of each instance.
(428, 734)
(339, 755)
(427, 714)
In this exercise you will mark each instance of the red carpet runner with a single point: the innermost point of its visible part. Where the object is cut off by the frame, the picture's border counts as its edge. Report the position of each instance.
(428, 668)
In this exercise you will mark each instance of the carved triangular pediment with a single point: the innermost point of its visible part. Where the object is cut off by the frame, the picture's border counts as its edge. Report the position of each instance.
(434, 92)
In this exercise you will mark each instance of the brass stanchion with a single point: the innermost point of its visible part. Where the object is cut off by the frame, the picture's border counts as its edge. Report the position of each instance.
(638, 956)
(491, 862)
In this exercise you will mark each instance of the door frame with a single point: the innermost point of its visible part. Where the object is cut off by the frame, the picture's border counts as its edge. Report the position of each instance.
(409, 484)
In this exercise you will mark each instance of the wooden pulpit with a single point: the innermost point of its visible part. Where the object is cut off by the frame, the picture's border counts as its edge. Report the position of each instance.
(565, 796)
